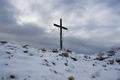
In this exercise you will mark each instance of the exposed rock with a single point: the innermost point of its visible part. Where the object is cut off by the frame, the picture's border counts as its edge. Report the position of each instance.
(25, 46)
(12, 76)
(64, 54)
(43, 50)
(74, 59)
(71, 78)
(55, 51)
(3, 42)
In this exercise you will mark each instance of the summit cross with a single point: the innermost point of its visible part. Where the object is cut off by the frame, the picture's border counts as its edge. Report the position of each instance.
(61, 28)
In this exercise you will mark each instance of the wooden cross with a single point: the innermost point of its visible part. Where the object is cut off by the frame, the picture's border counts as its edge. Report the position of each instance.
(61, 27)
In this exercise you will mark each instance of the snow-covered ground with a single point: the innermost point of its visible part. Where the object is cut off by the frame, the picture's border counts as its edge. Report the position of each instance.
(22, 62)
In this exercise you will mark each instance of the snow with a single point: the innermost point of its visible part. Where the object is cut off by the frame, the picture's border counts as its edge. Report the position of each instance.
(27, 63)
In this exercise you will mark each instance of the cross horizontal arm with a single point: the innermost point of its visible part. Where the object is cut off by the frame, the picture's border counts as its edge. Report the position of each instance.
(60, 26)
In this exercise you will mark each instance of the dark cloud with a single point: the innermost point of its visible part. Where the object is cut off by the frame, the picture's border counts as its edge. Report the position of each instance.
(83, 45)
(10, 30)
(113, 4)
(6, 13)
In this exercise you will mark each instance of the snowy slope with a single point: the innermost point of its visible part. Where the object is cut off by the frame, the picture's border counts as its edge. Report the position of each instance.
(22, 62)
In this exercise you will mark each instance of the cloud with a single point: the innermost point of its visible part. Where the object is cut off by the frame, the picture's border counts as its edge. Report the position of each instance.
(6, 13)
(93, 25)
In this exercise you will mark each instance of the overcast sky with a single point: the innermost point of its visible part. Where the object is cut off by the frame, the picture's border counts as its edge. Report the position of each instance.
(93, 25)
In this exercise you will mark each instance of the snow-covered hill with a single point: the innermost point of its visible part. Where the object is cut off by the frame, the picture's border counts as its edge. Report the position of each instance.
(22, 62)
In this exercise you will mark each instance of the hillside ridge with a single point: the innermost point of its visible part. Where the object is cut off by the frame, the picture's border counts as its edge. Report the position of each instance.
(22, 62)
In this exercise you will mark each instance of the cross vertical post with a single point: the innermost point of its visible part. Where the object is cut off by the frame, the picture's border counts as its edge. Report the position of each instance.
(61, 43)
(61, 38)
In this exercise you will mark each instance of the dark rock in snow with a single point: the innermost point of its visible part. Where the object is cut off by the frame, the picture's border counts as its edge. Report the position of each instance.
(31, 54)
(74, 59)
(25, 46)
(111, 61)
(93, 76)
(3, 42)
(104, 65)
(64, 55)
(100, 58)
(111, 53)
(66, 64)
(46, 60)
(43, 50)
(8, 52)
(53, 63)
(12, 55)
(12, 76)
(6, 64)
(118, 61)
(71, 78)
(55, 51)
(25, 51)
(69, 51)
(94, 65)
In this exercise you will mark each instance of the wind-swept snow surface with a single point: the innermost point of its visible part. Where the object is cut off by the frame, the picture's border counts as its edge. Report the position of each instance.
(26, 63)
